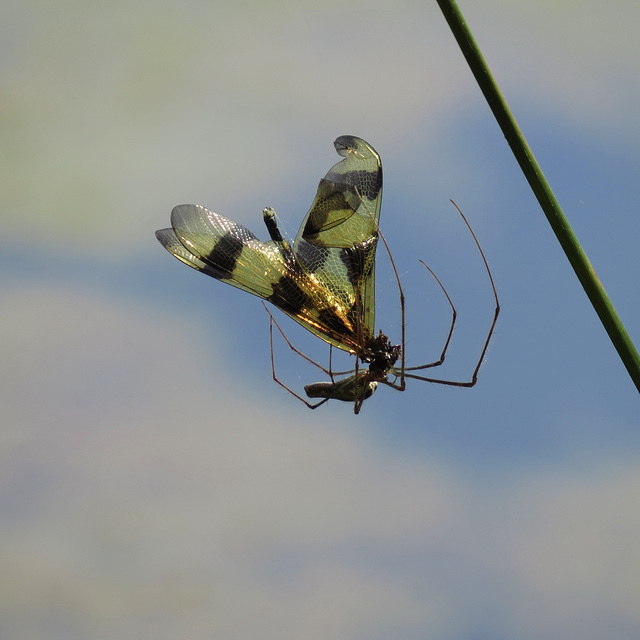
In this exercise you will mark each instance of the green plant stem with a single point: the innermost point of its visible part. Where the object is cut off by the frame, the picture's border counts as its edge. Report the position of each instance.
(568, 241)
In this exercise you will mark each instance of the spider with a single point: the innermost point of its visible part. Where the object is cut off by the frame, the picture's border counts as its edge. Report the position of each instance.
(381, 355)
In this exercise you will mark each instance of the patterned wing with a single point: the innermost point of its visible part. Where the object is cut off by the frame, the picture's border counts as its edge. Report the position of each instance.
(222, 249)
(227, 251)
(338, 237)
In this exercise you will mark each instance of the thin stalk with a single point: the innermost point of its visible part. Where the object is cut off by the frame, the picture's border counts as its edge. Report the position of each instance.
(538, 183)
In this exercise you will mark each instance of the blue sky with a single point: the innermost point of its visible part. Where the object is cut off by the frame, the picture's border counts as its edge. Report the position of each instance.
(155, 481)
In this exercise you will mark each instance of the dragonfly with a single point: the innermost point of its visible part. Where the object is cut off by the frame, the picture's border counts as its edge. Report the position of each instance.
(325, 280)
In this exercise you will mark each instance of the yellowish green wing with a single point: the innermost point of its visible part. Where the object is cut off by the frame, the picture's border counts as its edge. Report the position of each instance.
(338, 237)
(227, 251)
(326, 282)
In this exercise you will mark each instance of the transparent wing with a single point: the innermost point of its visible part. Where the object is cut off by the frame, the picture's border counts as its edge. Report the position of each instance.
(227, 251)
(222, 249)
(338, 237)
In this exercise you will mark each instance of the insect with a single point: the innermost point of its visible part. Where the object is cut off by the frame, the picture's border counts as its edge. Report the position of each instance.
(325, 281)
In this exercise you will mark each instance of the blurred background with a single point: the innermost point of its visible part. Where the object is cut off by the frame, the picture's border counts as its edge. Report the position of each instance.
(156, 483)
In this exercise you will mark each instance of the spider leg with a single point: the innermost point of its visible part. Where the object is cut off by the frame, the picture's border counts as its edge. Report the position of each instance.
(273, 322)
(401, 386)
(474, 376)
(454, 315)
